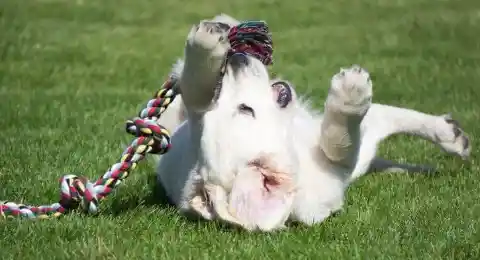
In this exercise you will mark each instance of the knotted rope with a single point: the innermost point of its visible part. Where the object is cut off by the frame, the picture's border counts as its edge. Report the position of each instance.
(250, 37)
(78, 191)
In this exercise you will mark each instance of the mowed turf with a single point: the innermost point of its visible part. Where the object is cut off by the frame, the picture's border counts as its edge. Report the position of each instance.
(72, 72)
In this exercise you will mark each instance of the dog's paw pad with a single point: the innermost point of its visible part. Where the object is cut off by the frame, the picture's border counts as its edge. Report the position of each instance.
(353, 88)
(208, 36)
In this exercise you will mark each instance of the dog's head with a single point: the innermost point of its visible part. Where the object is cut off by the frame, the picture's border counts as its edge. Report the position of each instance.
(256, 115)
(247, 84)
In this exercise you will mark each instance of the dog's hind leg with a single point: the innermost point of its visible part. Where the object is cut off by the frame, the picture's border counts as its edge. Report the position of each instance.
(382, 121)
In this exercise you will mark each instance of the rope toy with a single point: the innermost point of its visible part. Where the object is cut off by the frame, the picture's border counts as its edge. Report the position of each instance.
(250, 37)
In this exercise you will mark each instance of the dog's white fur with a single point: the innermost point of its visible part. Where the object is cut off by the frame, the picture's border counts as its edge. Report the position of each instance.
(258, 170)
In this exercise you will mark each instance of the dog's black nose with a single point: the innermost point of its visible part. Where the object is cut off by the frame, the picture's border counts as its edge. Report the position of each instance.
(239, 60)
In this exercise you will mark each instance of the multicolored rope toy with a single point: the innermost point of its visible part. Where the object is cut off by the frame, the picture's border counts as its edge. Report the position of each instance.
(250, 37)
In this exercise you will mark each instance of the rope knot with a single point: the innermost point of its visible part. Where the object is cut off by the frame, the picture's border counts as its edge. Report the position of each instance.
(78, 191)
(252, 38)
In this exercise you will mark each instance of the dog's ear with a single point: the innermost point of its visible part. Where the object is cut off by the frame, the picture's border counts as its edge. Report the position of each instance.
(284, 92)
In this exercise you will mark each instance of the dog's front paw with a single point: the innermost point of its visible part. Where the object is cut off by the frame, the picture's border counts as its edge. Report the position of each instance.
(351, 90)
(208, 39)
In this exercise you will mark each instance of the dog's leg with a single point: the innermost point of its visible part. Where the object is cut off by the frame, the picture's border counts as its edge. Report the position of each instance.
(196, 206)
(382, 121)
(219, 199)
(347, 103)
(205, 50)
(176, 112)
(348, 100)
(196, 199)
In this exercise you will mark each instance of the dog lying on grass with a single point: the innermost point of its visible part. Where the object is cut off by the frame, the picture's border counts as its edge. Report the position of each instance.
(245, 158)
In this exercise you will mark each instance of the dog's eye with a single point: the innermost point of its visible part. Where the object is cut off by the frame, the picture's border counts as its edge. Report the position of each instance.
(244, 109)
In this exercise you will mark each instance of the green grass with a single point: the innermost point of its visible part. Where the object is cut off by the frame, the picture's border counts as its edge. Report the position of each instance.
(72, 71)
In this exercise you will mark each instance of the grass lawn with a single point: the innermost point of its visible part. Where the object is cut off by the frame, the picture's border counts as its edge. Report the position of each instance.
(71, 72)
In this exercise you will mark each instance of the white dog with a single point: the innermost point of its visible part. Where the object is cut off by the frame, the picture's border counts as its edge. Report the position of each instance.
(244, 159)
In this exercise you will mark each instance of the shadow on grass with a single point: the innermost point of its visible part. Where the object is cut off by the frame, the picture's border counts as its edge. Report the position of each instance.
(129, 199)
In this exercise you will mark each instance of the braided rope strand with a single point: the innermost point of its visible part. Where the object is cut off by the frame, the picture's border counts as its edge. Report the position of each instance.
(250, 37)
(79, 192)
